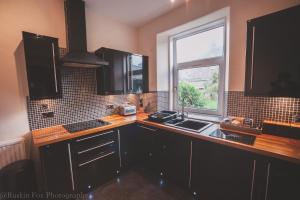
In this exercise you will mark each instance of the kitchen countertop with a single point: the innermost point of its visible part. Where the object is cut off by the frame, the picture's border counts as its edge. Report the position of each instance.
(268, 145)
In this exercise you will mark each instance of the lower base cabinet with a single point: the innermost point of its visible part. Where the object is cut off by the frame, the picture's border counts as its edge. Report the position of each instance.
(220, 172)
(211, 171)
(95, 159)
(282, 181)
(56, 168)
(175, 157)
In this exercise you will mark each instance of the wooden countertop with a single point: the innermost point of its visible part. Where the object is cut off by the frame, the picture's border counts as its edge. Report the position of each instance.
(268, 145)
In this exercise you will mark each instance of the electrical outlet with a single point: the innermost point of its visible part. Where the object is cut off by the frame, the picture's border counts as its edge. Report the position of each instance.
(44, 106)
(48, 114)
(109, 106)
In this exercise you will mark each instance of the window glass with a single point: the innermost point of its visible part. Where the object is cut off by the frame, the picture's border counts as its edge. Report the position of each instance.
(207, 44)
(199, 87)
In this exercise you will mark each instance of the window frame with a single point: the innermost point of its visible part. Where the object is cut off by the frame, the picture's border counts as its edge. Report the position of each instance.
(219, 60)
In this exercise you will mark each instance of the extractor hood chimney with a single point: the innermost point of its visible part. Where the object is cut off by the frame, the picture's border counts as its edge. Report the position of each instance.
(77, 55)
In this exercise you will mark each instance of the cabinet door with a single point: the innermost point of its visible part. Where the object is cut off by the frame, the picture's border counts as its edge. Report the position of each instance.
(175, 157)
(111, 79)
(128, 145)
(149, 148)
(272, 64)
(220, 172)
(283, 181)
(56, 167)
(42, 61)
(137, 74)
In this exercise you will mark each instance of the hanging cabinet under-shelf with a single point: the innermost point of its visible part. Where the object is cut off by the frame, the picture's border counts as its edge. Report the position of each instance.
(42, 65)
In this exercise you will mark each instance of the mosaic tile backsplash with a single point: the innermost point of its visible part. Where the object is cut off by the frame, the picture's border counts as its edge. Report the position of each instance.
(80, 102)
(280, 109)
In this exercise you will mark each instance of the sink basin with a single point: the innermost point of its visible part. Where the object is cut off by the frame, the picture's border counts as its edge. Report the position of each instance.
(192, 124)
(189, 124)
(175, 121)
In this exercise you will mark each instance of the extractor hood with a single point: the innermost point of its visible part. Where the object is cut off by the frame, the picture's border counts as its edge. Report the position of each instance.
(78, 56)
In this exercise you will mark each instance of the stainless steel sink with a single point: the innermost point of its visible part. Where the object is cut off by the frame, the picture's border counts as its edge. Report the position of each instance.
(189, 124)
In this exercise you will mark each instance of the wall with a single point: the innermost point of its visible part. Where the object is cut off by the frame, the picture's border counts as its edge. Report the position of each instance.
(105, 32)
(43, 17)
(240, 12)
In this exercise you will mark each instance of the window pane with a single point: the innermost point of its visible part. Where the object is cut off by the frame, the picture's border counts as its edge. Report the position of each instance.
(203, 45)
(198, 87)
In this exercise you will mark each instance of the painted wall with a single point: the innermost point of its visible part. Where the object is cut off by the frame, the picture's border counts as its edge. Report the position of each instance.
(46, 18)
(241, 11)
(43, 17)
(106, 32)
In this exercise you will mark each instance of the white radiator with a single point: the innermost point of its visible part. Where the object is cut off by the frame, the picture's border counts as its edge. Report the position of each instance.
(11, 151)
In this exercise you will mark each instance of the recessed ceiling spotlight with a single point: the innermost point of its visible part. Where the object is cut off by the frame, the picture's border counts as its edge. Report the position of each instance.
(172, 1)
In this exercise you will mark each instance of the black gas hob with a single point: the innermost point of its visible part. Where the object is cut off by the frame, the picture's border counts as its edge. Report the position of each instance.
(80, 126)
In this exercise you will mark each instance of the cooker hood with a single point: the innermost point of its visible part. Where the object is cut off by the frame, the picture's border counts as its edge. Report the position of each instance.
(77, 55)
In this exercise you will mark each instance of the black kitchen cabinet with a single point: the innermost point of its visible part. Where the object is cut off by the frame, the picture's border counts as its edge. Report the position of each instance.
(280, 180)
(164, 153)
(56, 167)
(272, 58)
(126, 73)
(175, 154)
(95, 159)
(149, 148)
(220, 172)
(129, 141)
(42, 65)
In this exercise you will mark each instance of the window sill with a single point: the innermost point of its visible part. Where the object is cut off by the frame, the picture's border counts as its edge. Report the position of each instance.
(210, 118)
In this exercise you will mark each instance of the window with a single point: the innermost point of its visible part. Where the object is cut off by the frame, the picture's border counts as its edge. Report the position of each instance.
(199, 68)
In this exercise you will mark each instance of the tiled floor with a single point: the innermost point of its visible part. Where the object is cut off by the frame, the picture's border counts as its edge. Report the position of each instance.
(138, 184)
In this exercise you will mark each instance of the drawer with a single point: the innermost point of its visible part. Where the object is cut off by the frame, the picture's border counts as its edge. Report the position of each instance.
(91, 173)
(93, 141)
(96, 151)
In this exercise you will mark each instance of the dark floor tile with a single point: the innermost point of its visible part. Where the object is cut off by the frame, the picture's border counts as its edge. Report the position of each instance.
(139, 184)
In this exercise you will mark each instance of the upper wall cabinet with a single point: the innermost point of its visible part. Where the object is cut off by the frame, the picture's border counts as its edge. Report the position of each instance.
(273, 49)
(42, 64)
(126, 73)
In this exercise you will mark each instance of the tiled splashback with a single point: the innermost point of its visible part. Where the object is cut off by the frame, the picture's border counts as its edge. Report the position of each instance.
(280, 109)
(79, 101)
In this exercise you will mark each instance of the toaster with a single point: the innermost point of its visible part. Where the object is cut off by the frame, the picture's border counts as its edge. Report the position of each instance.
(127, 109)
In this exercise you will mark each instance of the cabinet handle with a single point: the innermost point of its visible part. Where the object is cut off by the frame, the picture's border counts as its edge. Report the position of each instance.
(150, 129)
(119, 145)
(191, 159)
(253, 177)
(131, 74)
(93, 136)
(267, 183)
(71, 166)
(95, 159)
(96, 147)
(54, 67)
(127, 68)
(252, 56)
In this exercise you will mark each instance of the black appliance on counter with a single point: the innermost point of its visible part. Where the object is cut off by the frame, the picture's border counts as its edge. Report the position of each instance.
(162, 116)
(80, 126)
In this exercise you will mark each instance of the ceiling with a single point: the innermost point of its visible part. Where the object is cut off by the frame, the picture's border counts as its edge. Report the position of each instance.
(133, 12)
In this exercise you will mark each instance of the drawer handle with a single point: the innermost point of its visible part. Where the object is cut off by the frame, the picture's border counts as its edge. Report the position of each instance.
(150, 129)
(96, 147)
(95, 159)
(93, 136)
